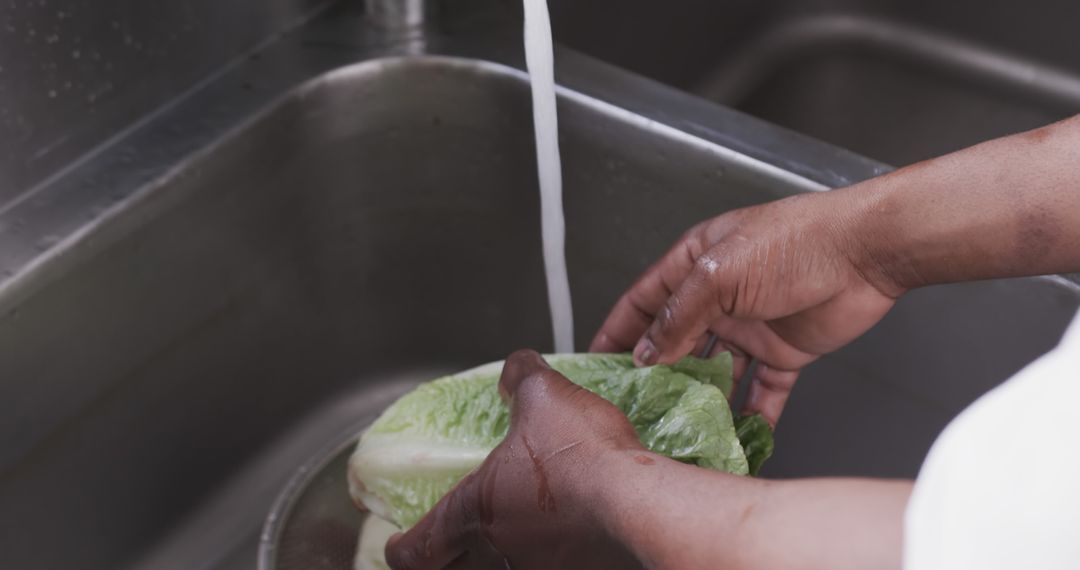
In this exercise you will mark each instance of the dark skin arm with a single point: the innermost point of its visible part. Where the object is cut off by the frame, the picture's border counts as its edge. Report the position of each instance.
(680, 516)
(789, 281)
(784, 282)
(572, 487)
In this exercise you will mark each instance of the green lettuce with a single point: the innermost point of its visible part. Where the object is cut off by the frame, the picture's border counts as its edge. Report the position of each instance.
(756, 438)
(432, 437)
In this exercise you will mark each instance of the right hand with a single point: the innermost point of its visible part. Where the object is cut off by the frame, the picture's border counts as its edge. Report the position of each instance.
(783, 282)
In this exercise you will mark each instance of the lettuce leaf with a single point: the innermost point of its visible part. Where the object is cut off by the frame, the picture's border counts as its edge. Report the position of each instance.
(432, 437)
(371, 544)
(756, 438)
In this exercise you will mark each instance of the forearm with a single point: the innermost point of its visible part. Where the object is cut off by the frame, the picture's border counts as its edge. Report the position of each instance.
(1006, 208)
(677, 516)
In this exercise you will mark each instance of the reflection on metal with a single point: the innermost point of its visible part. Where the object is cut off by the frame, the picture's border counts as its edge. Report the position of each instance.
(184, 313)
(400, 14)
(808, 38)
(73, 73)
(180, 298)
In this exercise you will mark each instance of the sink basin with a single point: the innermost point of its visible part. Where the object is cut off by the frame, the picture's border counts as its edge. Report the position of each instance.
(268, 264)
(895, 81)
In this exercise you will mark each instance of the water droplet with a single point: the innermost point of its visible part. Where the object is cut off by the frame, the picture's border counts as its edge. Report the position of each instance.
(52, 94)
(127, 40)
(76, 54)
(52, 39)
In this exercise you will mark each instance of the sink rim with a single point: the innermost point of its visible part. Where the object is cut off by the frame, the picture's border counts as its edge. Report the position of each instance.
(113, 223)
(43, 231)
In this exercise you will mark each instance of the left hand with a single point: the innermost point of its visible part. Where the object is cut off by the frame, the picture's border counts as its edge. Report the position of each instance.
(572, 487)
(532, 503)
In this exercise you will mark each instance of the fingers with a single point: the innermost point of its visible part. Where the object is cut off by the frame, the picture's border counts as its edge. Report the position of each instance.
(769, 392)
(638, 307)
(438, 540)
(624, 326)
(685, 315)
(778, 367)
(758, 339)
(740, 361)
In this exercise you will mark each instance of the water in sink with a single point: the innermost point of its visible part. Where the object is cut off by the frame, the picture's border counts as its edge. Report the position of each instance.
(541, 62)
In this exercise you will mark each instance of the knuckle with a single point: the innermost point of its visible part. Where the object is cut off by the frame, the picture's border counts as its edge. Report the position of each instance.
(709, 268)
(694, 241)
(534, 378)
(775, 380)
(636, 298)
(536, 383)
(714, 273)
(724, 272)
(548, 377)
(668, 321)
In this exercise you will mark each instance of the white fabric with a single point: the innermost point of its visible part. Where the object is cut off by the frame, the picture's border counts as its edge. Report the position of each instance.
(1001, 486)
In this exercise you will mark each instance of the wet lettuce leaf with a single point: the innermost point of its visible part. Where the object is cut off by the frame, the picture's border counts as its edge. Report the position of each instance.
(432, 437)
(756, 438)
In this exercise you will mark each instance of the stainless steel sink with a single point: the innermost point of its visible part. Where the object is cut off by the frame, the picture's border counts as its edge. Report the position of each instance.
(188, 316)
(896, 81)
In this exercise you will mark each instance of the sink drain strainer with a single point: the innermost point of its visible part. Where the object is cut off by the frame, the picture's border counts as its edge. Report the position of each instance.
(313, 525)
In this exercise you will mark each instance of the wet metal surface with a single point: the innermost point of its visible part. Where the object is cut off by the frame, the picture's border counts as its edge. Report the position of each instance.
(191, 315)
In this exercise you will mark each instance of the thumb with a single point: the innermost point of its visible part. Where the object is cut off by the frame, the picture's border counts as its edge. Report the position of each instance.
(521, 366)
(529, 385)
(543, 400)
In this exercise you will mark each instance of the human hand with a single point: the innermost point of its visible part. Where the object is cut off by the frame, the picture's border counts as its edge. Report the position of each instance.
(572, 487)
(532, 503)
(783, 282)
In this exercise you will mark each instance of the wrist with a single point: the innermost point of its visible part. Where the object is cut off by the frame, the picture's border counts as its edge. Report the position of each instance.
(667, 514)
(878, 248)
(609, 486)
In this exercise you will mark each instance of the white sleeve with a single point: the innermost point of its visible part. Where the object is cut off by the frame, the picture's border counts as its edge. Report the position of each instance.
(1001, 486)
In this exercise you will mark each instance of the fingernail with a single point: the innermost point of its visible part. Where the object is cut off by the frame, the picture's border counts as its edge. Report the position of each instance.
(645, 352)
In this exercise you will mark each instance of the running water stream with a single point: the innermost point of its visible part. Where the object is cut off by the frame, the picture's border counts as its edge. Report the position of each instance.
(539, 57)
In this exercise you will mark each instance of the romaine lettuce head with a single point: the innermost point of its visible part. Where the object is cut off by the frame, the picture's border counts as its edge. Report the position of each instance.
(431, 438)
